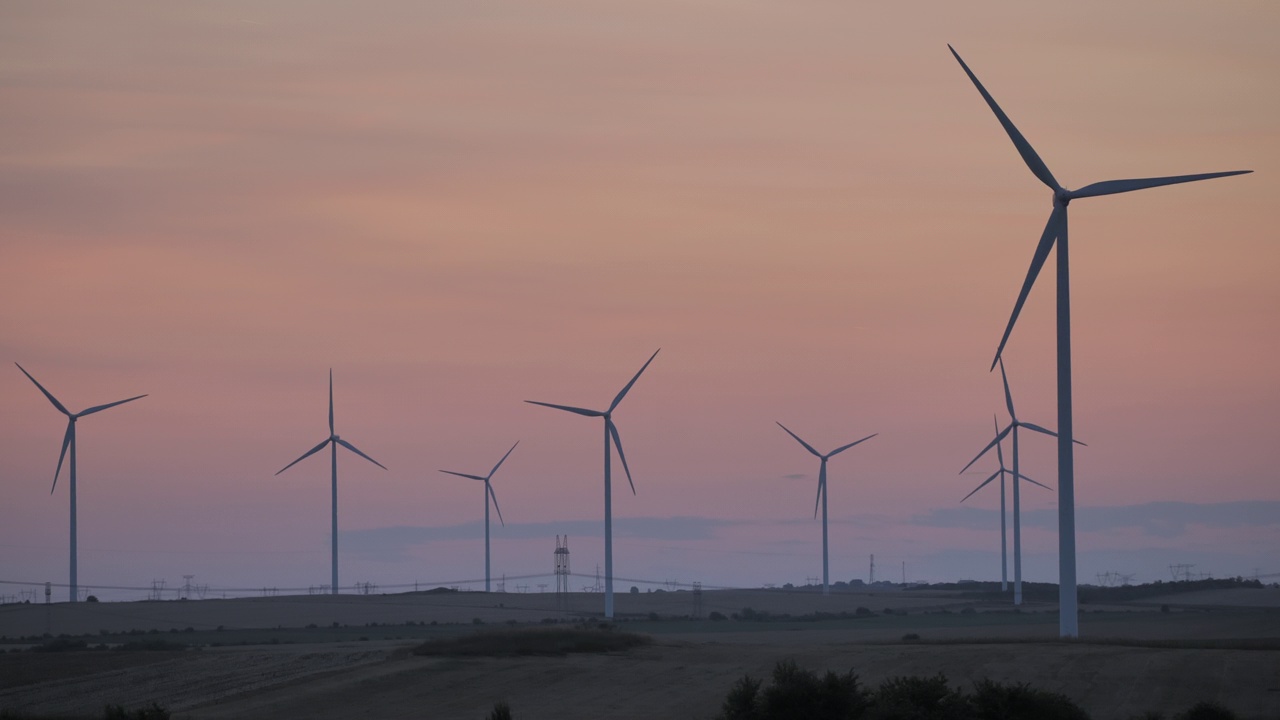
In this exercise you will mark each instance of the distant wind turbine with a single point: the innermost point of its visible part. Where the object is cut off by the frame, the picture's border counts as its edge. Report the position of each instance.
(822, 496)
(1056, 229)
(333, 441)
(1017, 549)
(69, 441)
(1012, 428)
(488, 494)
(610, 436)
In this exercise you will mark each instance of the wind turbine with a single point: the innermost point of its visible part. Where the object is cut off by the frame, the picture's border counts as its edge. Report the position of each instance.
(1056, 229)
(610, 436)
(822, 496)
(69, 441)
(1014, 423)
(333, 441)
(1017, 538)
(488, 494)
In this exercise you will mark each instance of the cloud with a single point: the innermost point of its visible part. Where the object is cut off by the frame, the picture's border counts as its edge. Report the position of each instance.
(396, 539)
(1159, 519)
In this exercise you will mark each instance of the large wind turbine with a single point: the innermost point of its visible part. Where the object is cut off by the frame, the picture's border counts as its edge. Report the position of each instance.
(69, 441)
(1012, 428)
(1017, 537)
(822, 496)
(1056, 229)
(610, 436)
(488, 494)
(333, 441)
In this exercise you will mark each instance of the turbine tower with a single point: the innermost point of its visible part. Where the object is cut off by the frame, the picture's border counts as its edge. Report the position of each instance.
(822, 496)
(1017, 537)
(333, 441)
(1056, 230)
(488, 494)
(610, 436)
(1012, 428)
(69, 441)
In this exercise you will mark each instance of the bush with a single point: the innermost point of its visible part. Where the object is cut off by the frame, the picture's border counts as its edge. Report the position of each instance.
(863, 612)
(716, 616)
(117, 712)
(635, 590)
(795, 693)
(1000, 702)
(926, 698)
(910, 637)
(1207, 711)
(501, 711)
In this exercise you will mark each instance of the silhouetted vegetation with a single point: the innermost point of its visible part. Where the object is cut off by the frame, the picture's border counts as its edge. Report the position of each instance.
(1048, 592)
(535, 641)
(796, 693)
(501, 711)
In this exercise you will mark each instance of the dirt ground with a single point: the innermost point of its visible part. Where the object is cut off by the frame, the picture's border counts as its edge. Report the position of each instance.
(685, 673)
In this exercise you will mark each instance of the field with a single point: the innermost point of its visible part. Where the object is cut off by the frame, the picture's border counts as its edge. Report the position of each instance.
(349, 656)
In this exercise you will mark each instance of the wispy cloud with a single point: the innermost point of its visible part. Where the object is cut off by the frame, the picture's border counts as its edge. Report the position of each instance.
(1159, 519)
(399, 537)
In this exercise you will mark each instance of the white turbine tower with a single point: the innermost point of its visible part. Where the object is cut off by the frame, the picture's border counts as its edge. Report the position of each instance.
(488, 495)
(822, 496)
(69, 441)
(1017, 537)
(333, 441)
(610, 436)
(1056, 230)
(1012, 428)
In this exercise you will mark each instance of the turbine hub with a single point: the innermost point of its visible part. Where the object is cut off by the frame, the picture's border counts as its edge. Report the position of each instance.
(1062, 196)
(335, 437)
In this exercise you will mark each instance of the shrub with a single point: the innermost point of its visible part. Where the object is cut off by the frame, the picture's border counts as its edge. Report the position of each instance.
(740, 703)
(1207, 711)
(716, 616)
(909, 637)
(117, 712)
(795, 693)
(501, 711)
(926, 698)
(999, 702)
(635, 590)
(863, 612)
(91, 598)
(533, 641)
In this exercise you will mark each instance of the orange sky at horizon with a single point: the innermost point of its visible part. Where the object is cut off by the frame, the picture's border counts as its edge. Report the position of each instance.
(458, 207)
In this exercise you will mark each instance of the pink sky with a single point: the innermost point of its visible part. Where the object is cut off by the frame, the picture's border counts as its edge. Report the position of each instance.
(458, 207)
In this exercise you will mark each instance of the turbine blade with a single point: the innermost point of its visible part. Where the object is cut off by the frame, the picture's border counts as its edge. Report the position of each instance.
(306, 455)
(1051, 230)
(822, 485)
(353, 449)
(330, 401)
(842, 448)
(1033, 482)
(580, 411)
(494, 497)
(806, 445)
(617, 442)
(999, 446)
(993, 443)
(986, 482)
(1037, 428)
(622, 393)
(100, 408)
(1029, 156)
(1111, 187)
(504, 459)
(465, 475)
(66, 442)
(1008, 397)
(47, 394)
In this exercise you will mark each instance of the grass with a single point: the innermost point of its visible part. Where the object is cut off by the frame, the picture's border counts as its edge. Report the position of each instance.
(535, 641)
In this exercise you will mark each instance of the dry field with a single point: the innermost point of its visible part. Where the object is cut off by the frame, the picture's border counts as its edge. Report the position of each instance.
(363, 670)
